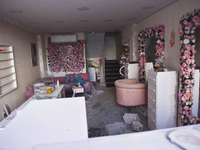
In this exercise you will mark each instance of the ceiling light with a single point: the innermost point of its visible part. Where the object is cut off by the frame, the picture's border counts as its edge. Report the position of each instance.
(147, 7)
(83, 8)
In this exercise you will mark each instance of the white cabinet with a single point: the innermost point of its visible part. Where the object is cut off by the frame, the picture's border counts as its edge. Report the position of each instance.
(133, 70)
(92, 74)
(162, 99)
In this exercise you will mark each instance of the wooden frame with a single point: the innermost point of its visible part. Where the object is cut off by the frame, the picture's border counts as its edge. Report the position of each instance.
(33, 54)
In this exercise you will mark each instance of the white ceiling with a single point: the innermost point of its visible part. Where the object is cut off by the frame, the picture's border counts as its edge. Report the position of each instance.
(63, 16)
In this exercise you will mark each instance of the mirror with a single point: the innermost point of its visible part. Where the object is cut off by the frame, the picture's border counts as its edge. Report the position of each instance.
(157, 32)
(197, 47)
(197, 55)
(150, 49)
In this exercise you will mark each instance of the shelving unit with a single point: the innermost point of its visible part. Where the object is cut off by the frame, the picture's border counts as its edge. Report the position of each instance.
(162, 99)
(8, 81)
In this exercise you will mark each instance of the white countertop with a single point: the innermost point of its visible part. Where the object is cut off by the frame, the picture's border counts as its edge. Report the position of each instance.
(46, 122)
(148, 140)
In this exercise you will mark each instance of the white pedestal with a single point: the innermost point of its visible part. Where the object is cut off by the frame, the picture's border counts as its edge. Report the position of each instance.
(195, 106)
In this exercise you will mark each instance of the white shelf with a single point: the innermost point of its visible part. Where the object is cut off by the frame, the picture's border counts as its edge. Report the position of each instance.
(6, 51)
(7, 75)
(6, 59)
(8, 91)
(2, 68)
(8, 80)
(1, 85)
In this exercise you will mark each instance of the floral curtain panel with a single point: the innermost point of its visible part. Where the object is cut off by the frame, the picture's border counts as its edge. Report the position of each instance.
(66, 57)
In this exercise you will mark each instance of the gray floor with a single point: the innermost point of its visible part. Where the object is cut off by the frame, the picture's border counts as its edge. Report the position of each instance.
(102, 109)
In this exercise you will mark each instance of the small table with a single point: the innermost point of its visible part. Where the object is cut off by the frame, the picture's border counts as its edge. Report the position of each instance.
(78, 90)
(59, 92)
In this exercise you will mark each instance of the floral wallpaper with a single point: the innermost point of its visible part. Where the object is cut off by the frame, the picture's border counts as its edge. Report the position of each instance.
(66, 57)
(158, 32)
(188, 23)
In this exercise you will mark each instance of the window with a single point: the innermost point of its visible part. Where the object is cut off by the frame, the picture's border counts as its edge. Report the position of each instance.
(8, 81)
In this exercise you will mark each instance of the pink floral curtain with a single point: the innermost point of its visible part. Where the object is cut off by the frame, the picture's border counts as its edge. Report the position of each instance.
(66, 57)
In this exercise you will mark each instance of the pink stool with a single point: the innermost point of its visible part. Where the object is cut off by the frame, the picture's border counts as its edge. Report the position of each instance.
(131, 93)
(30, 88)
(29, 94)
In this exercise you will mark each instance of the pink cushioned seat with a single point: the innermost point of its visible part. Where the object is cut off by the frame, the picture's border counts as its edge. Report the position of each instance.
(30, 88)
(131, 93)
(29, 94)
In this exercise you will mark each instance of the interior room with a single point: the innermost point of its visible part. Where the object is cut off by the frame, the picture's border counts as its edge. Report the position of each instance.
(106, 74)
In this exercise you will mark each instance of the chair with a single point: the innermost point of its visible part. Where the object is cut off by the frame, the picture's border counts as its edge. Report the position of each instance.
(29, 92)
(74, 93)
(6, 110)
(131, 93)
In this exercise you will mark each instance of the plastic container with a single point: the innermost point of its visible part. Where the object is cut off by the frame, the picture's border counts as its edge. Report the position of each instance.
(39, 88)
(58, 83)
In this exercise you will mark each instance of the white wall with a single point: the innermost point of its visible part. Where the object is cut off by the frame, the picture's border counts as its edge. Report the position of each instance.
(20, 39)
(129, 34)
(110, 46)
(165, 17)
(94, 45)
(118, 40)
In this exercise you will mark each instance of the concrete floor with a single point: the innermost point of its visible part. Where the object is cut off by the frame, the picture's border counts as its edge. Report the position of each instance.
(102, 109)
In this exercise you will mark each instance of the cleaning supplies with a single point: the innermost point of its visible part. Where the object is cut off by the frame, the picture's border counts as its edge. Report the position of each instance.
(58, 83)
